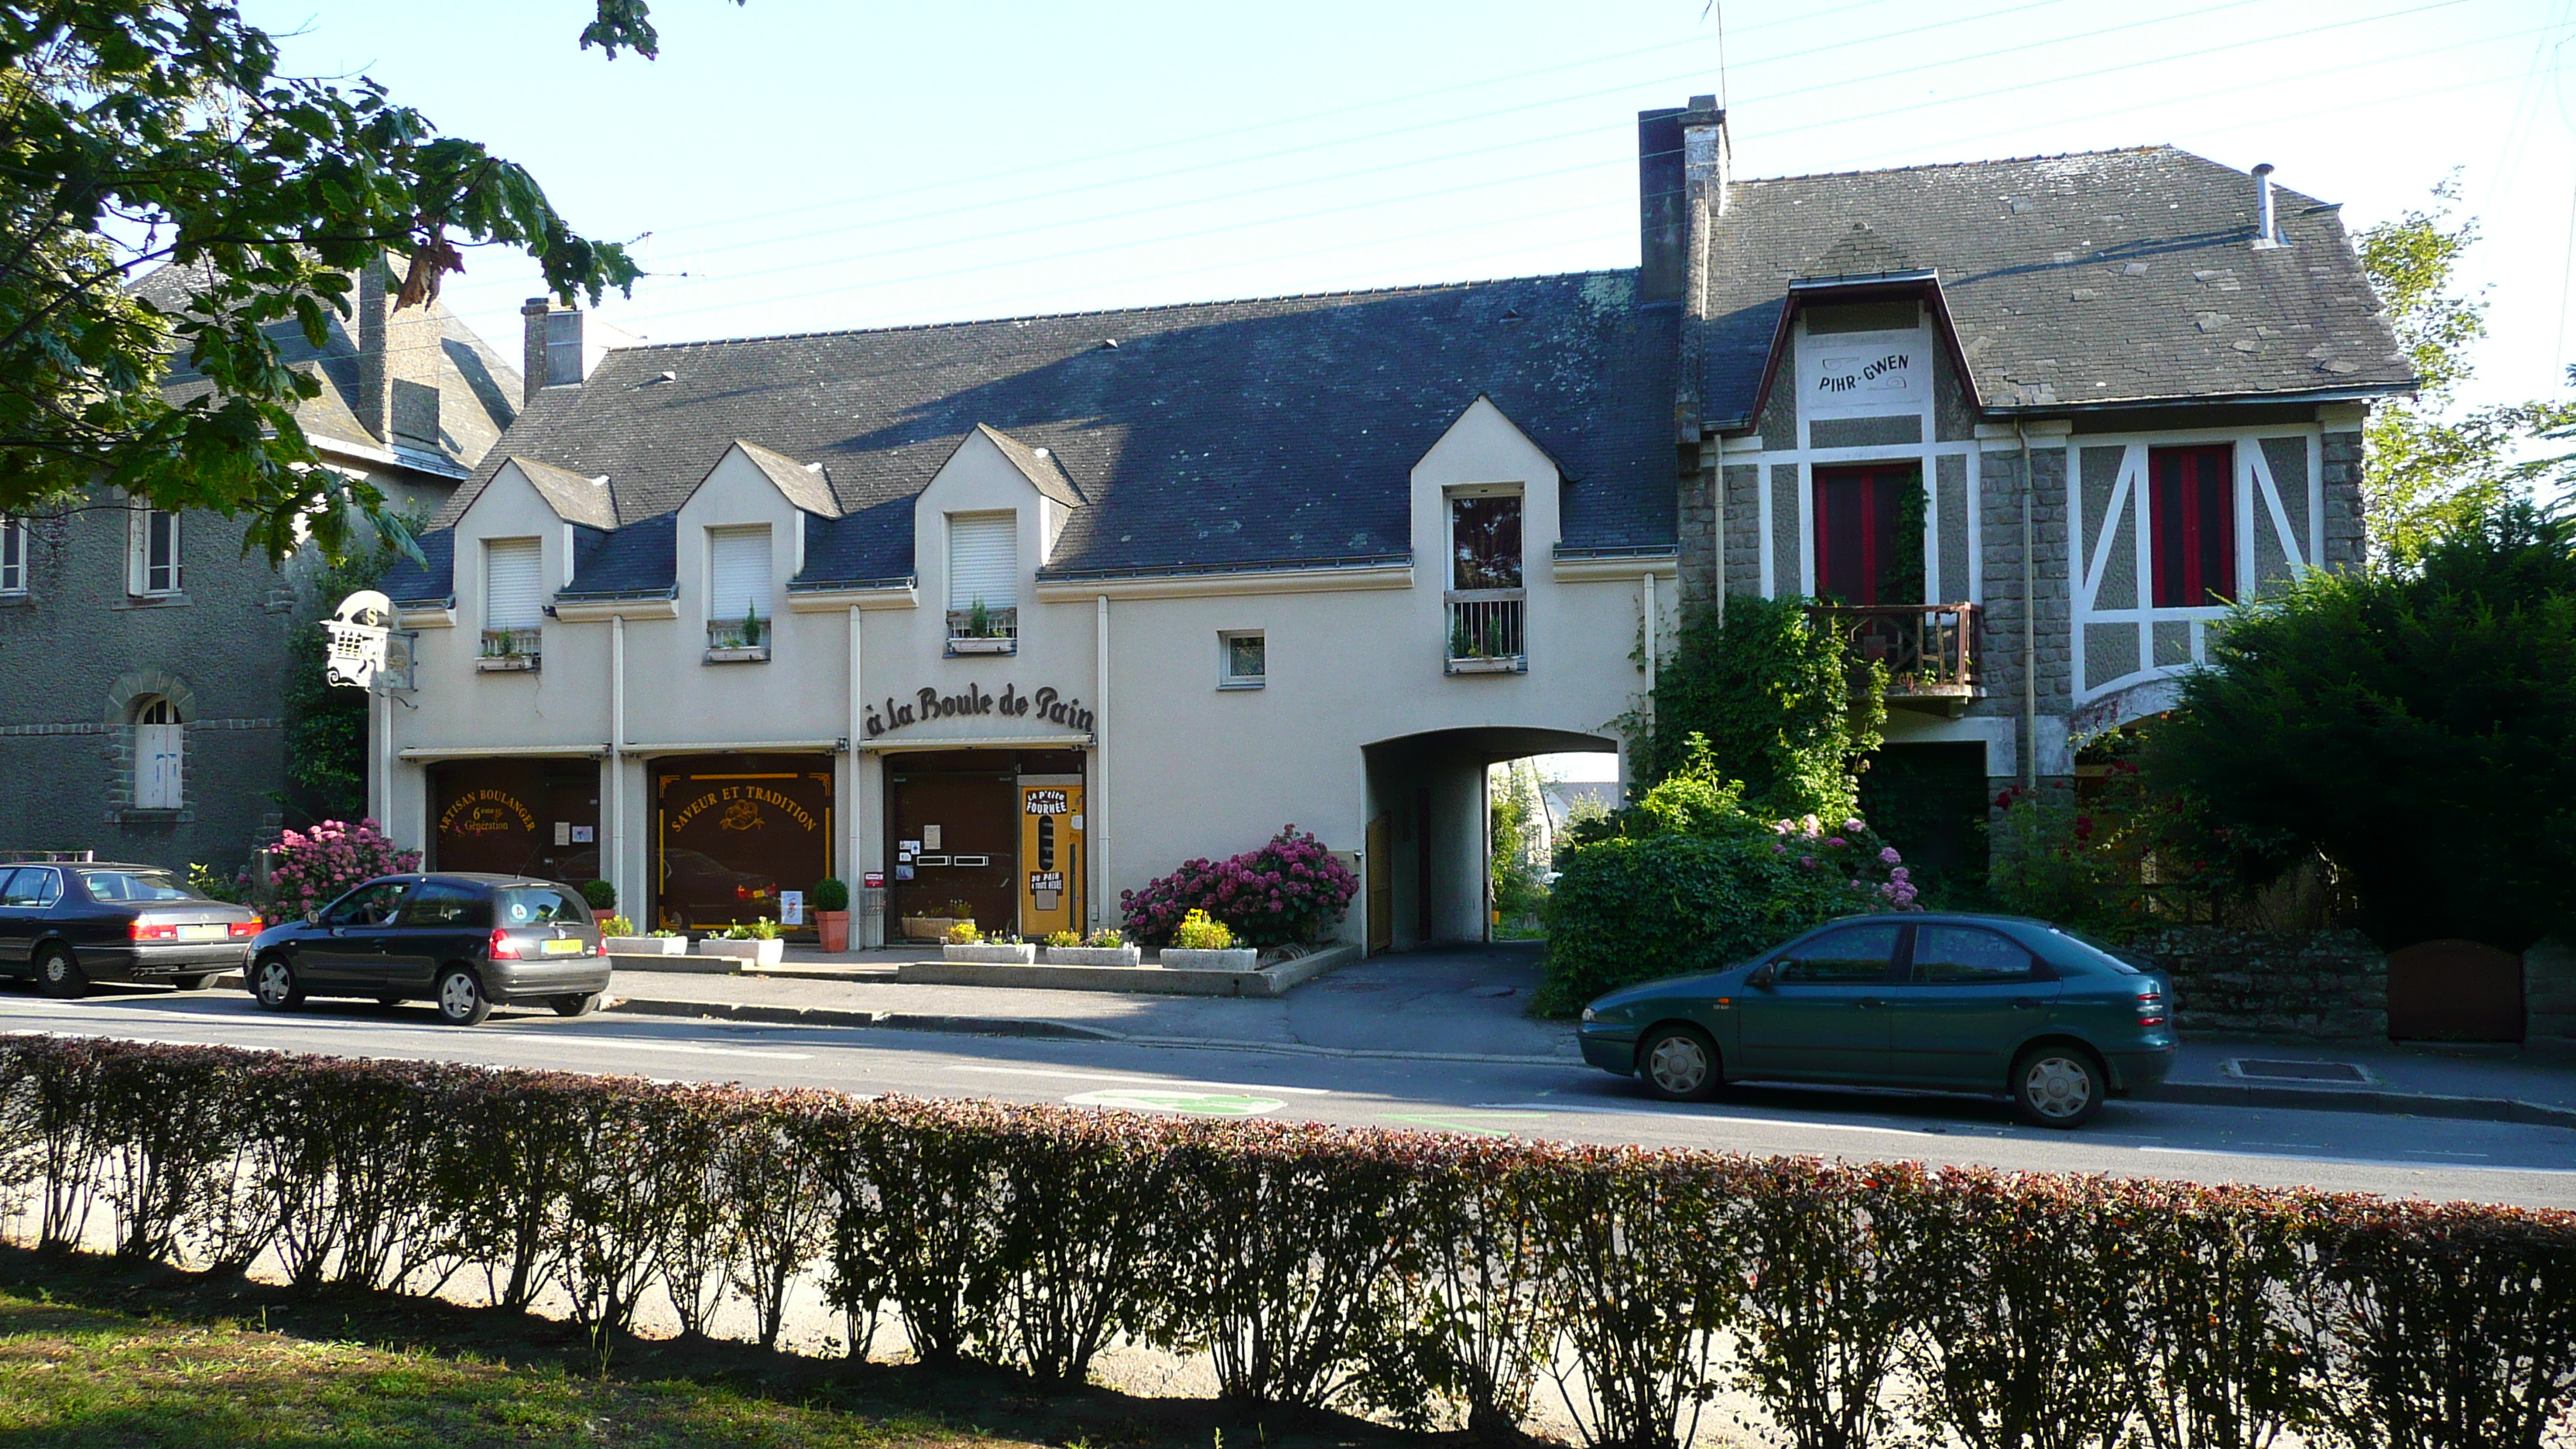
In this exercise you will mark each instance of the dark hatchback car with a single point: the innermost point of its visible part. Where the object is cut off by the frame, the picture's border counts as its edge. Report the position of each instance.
(1937, 1001)
(69, 923)
(467, 942)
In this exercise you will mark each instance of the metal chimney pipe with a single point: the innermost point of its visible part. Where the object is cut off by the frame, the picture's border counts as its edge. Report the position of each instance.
(2266, 232)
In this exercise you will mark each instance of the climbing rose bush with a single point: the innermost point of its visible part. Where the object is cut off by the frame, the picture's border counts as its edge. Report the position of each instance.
(1291, 890)
(313, 867)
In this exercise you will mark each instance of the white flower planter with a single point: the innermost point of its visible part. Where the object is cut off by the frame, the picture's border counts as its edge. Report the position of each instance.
(1093, 956)
(755, 953)
(646, 945)
(991, 955)
(1237, 958)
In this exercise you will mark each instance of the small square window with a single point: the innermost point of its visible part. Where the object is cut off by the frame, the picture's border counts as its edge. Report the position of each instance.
(1243, 660)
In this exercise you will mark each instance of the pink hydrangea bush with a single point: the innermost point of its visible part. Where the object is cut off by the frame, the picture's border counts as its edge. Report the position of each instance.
(312, 868)
(1876, 873)
(1291, 890)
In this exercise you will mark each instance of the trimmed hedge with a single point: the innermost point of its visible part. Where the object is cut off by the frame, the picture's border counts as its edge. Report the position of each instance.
(1425, 1277)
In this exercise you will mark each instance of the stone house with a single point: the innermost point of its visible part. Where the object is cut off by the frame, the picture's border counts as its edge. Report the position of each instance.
(143, 653)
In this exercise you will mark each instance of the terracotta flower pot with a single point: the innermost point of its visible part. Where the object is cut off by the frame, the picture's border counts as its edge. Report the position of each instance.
(834, 928)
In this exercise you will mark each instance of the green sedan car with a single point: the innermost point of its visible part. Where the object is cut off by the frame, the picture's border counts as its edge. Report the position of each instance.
(1932, 1000)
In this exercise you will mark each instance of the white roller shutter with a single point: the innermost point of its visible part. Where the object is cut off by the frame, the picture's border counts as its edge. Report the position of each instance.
(514, 583)
(984, 560)
(738, 573)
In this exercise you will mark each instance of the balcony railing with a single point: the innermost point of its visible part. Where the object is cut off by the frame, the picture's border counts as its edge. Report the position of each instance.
(1485, 632)
(738, 641)
(996, 632)
(1929, 650)
(510, 649)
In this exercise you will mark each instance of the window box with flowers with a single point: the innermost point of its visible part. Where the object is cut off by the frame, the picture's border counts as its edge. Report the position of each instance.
(965, 943)
(1103, 948)
(757, 944)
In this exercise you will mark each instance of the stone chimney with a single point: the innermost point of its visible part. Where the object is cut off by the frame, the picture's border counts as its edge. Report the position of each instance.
(400, 353)
(1681, 167)
(535, 315)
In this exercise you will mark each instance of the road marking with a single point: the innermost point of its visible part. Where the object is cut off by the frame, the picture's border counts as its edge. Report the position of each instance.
(1196, 1104)
(693, 1049)
(1149, 1082)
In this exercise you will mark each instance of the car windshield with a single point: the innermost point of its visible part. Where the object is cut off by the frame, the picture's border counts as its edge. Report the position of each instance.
(539, 906)
(135, 885)
(2099, 951)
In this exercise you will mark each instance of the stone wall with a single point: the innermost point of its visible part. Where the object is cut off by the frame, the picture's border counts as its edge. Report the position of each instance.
(2319, 985)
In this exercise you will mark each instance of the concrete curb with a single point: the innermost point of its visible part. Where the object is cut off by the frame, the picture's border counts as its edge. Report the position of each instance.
(2339, 1099)
(1037, 1027)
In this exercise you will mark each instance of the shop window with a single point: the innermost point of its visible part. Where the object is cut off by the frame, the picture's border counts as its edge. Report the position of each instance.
(514, 602)
(983, 583)
(13, 555)
(1869, 535)
(2191, 510)
(1485, 596)
(1243, 659)
(740, 618)
(152, 553)
(158, 744)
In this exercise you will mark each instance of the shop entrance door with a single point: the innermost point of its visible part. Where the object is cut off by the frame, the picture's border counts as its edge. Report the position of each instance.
(732, 831)
(1052, 858)
(535, 818)
(956, 837)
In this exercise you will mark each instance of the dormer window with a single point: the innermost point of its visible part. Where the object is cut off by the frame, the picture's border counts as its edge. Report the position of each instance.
(983, 583)
(1486, 599)
(740, 619)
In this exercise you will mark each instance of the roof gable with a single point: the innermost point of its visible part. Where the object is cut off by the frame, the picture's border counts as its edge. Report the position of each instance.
(574, 498)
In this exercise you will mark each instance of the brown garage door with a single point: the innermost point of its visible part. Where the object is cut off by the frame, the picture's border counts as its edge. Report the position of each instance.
(2454, 991)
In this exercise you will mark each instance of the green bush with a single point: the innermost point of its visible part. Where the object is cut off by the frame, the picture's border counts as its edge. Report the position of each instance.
(2410, 725)
(1687, 880)
(829, 895)
(1774, 697)
(1428, 1277)
(602, 895)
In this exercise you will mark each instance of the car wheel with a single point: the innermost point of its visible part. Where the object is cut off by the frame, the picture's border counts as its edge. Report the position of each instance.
(1679, 1064)
(581, 1005)
(2057, 1085)
(273, 984)
(461, 1001)
(192, 983)
(58, 974)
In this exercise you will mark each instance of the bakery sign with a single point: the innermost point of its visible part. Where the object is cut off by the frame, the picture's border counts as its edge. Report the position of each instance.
(1885, 372)
(1046, 706)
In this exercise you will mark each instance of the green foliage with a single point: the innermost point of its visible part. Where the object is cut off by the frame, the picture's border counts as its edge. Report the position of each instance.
(214, 885)
(1200, 932)
(829, 895)
(964, 934)
(2430, 466)
(2411, 725)
(2051, 862)
(617, 926)
(1106, 939)
(1430, 1277)
(1687, 880)
(602, 895)
(1512, 813)
(143, 132)
(1061, 940)
(761, 928)
(326, 724)
(1774, 696)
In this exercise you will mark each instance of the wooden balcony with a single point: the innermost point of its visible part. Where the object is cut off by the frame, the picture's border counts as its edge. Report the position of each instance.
(1929, 650)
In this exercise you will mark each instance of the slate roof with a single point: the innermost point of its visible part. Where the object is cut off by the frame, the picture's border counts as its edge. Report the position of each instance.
(1222, 435)
(478, 389)
(2101, 277)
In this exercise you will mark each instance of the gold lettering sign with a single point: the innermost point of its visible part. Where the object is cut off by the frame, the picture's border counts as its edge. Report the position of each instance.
(741, 808)
(483, 812)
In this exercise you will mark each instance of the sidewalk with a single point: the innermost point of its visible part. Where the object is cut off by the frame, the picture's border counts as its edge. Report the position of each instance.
(1468, 1004)
(1461, 1004)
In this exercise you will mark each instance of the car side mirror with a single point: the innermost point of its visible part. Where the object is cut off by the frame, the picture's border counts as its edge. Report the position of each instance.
(312, 918)
(1763, 975)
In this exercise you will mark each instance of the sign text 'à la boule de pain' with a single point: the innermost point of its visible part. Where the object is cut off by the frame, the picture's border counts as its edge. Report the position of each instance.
(1048, 704)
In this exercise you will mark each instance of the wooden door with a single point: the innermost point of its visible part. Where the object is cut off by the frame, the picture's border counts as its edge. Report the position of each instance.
(1381, 888)
(2454, 991)
(958, 836)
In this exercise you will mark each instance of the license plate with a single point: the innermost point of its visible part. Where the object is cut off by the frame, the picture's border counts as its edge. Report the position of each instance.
(564, 948)
(214, 932)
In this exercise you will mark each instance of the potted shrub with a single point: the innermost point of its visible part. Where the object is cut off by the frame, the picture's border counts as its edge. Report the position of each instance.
(603, 899)
(757, 944)
(965, 943)
(830, 902)
(1203, 943)
(1104, 948)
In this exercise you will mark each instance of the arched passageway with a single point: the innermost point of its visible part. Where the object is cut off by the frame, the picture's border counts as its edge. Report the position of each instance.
(1426, 872)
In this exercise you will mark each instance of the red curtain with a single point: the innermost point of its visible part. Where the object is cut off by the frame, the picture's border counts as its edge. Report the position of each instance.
(1856, 531)
(2192, 509)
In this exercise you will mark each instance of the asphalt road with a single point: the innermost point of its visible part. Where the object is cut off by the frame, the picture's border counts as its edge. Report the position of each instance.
(2343, 1151)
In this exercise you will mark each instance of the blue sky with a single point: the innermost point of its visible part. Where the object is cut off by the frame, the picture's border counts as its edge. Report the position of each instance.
(794, 165)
